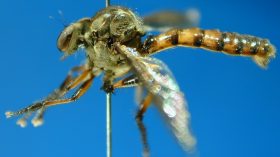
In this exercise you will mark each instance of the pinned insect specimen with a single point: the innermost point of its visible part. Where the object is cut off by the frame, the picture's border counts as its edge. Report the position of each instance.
(112, 42)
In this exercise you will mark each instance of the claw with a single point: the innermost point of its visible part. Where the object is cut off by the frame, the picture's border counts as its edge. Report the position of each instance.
(37, 122)
(9, 114)
(26, 112)
(22, 122)
(38, 119)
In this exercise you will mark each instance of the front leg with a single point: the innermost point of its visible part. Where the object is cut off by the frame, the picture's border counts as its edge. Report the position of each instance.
(69, 83)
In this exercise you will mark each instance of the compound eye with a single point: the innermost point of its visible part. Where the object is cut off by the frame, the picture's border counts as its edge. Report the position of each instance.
(64, 39)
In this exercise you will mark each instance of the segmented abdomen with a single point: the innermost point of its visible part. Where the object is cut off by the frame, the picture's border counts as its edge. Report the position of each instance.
(230, 43)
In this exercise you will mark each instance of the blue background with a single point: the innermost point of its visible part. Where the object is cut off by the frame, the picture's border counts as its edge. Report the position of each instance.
(234, 104)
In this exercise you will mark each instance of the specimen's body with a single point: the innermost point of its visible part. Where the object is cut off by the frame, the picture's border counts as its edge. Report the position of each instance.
(112, 41)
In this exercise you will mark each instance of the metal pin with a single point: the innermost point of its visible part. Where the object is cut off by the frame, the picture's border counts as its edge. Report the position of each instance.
(108, 125)
(108, 116)
(107, 3)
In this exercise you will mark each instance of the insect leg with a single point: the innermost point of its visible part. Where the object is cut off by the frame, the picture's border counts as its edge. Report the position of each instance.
(40, 106)
(61, 91)
(130, 81)
(260, 50)
(69, 83)
(139, 120)
(143, 107)
(78, 80)
(79, 92)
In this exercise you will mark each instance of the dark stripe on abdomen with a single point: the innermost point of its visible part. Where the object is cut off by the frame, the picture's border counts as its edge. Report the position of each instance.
(221, 43)
(198, 38)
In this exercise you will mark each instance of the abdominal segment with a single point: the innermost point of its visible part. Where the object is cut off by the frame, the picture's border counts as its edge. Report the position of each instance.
(230, 43)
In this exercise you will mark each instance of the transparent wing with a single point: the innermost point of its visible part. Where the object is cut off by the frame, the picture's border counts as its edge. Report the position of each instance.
(165, 20)
(157, 79)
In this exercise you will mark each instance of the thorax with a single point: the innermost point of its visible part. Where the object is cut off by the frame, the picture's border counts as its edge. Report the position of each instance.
(100, 56)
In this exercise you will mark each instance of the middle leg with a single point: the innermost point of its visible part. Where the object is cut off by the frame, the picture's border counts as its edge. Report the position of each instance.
(132, 81)
(139, 120)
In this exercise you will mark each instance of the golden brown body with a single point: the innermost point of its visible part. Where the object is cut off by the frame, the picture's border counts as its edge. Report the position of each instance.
(113, 45)
(230, 43)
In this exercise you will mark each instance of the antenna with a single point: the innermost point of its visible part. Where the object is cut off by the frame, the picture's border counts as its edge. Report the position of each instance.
(108, 116)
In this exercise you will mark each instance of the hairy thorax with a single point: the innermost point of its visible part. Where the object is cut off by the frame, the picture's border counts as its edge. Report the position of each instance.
(111, 25)
(103, 58)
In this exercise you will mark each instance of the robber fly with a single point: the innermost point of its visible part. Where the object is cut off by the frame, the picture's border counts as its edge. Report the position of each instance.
(112, 42)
